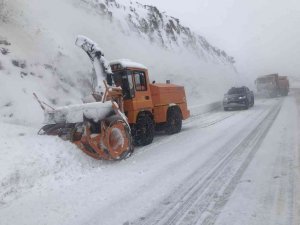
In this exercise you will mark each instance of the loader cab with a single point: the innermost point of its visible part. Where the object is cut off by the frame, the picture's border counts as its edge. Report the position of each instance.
(123, 79)
(134, 80)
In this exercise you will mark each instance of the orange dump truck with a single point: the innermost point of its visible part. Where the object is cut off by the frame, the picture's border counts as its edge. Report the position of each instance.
(148, 105)
(272, 85)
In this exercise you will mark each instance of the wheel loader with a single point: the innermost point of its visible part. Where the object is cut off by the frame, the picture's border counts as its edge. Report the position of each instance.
(123, 110)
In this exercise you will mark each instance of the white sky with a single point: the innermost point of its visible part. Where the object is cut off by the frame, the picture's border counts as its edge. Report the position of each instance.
(262, 35)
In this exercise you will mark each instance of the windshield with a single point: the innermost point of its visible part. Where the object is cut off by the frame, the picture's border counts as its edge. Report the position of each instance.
(233, 91)
(123, 79)
(264, 80)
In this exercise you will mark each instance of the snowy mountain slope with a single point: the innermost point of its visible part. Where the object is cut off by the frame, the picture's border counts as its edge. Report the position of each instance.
(39, 35)
(157, 26)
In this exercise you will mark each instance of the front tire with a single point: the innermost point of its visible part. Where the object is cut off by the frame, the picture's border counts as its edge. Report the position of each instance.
(143, 130)
(252, 101)
(246, 105)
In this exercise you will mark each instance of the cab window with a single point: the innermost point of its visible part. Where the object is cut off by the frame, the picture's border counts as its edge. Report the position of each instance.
(140, 81)
(124, 79)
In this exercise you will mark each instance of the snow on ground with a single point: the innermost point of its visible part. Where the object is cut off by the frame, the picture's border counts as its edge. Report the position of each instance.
(266, 193)
(45, 180)
(294, 82)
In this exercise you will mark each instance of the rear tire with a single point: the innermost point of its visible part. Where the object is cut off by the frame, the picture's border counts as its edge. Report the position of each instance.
(143, 130)
(252, 101)
(174, 121)
(247, 105)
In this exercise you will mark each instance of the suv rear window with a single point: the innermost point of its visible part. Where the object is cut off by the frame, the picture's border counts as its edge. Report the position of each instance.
(236, 91)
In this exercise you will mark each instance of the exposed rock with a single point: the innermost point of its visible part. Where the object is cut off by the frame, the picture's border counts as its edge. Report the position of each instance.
(4, 51)
(4, 42)
(19, 63)
(160, 28)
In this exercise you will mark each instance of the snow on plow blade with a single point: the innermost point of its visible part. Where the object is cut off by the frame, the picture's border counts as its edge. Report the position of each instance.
(113, 143)
(108, 138)
(100, 129)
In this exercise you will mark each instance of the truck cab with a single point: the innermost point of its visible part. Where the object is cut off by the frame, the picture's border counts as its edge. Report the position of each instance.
(134, 80)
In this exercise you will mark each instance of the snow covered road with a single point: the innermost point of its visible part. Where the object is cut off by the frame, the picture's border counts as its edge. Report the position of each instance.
(237, 167)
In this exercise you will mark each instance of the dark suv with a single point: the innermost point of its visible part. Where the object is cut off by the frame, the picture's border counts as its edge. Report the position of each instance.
(238, 97)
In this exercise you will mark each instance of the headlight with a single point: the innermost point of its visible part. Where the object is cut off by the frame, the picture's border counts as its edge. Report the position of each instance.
(242, 97)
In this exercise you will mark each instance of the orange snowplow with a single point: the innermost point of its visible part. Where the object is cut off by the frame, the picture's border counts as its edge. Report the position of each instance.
(124, 109)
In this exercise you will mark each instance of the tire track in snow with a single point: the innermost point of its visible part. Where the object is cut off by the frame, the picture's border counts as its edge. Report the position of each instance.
(209, 122)
(222, 115)
(296, 92)
(208, 191)
(204, 121)
(250, 146)
(280, 199)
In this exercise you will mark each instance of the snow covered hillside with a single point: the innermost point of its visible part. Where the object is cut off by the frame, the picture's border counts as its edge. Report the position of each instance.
(38, 52)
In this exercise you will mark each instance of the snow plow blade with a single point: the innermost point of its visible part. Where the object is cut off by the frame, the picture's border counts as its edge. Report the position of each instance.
(109, 139)
(100, 129)
(99, 126)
